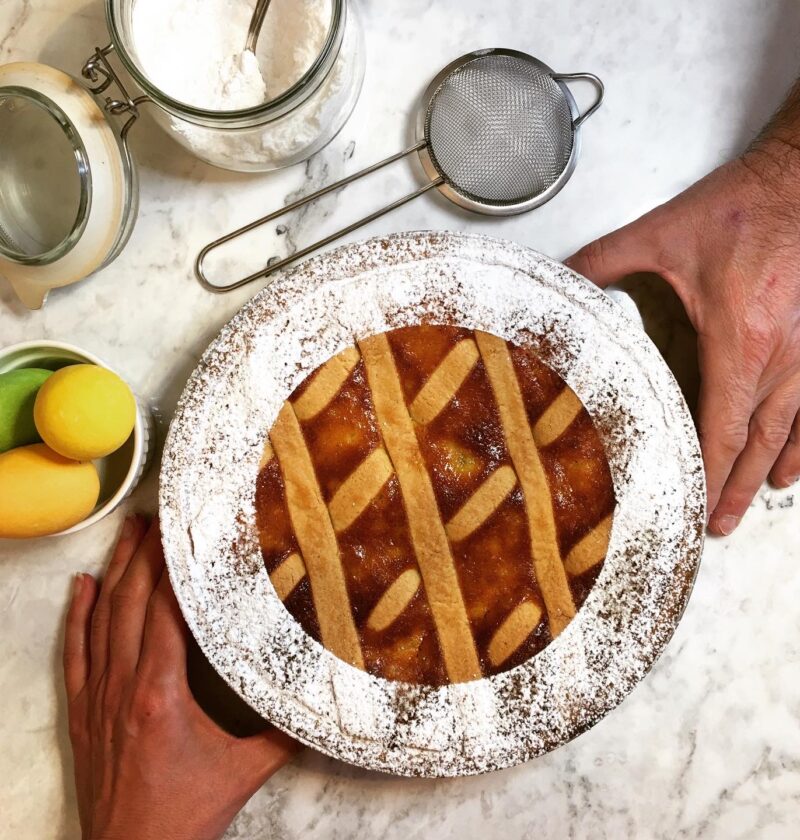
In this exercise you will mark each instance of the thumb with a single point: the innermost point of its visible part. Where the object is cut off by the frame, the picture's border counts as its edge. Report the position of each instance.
(628, 250)
(260, 756)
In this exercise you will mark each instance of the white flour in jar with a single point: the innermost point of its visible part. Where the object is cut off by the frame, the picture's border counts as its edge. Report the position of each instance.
(193, 50)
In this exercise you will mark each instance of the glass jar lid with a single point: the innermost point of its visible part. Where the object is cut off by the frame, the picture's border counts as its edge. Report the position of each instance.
(67, 185)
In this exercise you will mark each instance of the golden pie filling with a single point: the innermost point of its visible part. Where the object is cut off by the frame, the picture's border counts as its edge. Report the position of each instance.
(434, 505)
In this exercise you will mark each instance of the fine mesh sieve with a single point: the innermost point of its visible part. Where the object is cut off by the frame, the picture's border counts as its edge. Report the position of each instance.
(499, 130)
(499, 134)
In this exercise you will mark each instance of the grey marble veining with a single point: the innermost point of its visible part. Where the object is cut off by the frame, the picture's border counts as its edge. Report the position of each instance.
(709, 744)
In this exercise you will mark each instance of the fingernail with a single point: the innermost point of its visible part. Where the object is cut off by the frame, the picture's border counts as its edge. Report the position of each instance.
(127, 527)
(77, 584)
(790, 481)
(727, 524)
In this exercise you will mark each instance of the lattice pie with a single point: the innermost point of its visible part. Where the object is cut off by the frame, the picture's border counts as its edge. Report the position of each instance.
(434, 505)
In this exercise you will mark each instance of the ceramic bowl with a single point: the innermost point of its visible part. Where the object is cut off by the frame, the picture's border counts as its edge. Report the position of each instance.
(120, 471)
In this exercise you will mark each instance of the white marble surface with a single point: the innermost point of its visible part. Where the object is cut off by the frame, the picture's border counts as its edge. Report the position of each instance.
(709, 745)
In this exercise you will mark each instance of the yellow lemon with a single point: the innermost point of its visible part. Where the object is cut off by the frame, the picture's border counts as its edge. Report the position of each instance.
(42, 492)
(84, 412)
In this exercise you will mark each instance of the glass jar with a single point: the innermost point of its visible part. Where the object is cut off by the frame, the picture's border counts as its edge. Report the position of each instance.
(284, 131)
(68, 184)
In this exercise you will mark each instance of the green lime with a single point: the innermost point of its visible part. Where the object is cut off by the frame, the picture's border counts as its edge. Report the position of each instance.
(18, 390)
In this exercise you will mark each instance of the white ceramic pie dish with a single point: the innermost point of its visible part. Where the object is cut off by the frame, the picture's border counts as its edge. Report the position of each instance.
(211, 461)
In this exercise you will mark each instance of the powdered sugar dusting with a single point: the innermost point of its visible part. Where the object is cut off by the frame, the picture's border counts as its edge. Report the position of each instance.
(208, 519)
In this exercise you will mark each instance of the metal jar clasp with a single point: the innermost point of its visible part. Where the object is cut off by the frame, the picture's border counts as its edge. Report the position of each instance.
(100, 72)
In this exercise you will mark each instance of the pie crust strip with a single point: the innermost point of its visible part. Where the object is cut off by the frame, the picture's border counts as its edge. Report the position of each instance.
(359, 489)
(326, 384)
(425, 525)
(516, 627)
(482, 503)
(550, 574)
(557, 417)
(444, 382)
(266, 455)
(590, 550)
(314, 532)
(394, 600)
(286, 576)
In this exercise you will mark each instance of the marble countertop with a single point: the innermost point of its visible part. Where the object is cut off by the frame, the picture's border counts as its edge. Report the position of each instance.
(709, 744)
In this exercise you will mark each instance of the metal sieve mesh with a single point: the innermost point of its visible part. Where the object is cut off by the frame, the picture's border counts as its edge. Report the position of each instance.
(499, 129)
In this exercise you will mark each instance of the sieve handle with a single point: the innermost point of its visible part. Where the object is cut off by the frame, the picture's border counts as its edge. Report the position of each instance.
(594, 81)
(321, 243)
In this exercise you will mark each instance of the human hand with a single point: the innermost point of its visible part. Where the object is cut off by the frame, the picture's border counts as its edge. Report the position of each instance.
(149, 763)
(730, 248)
